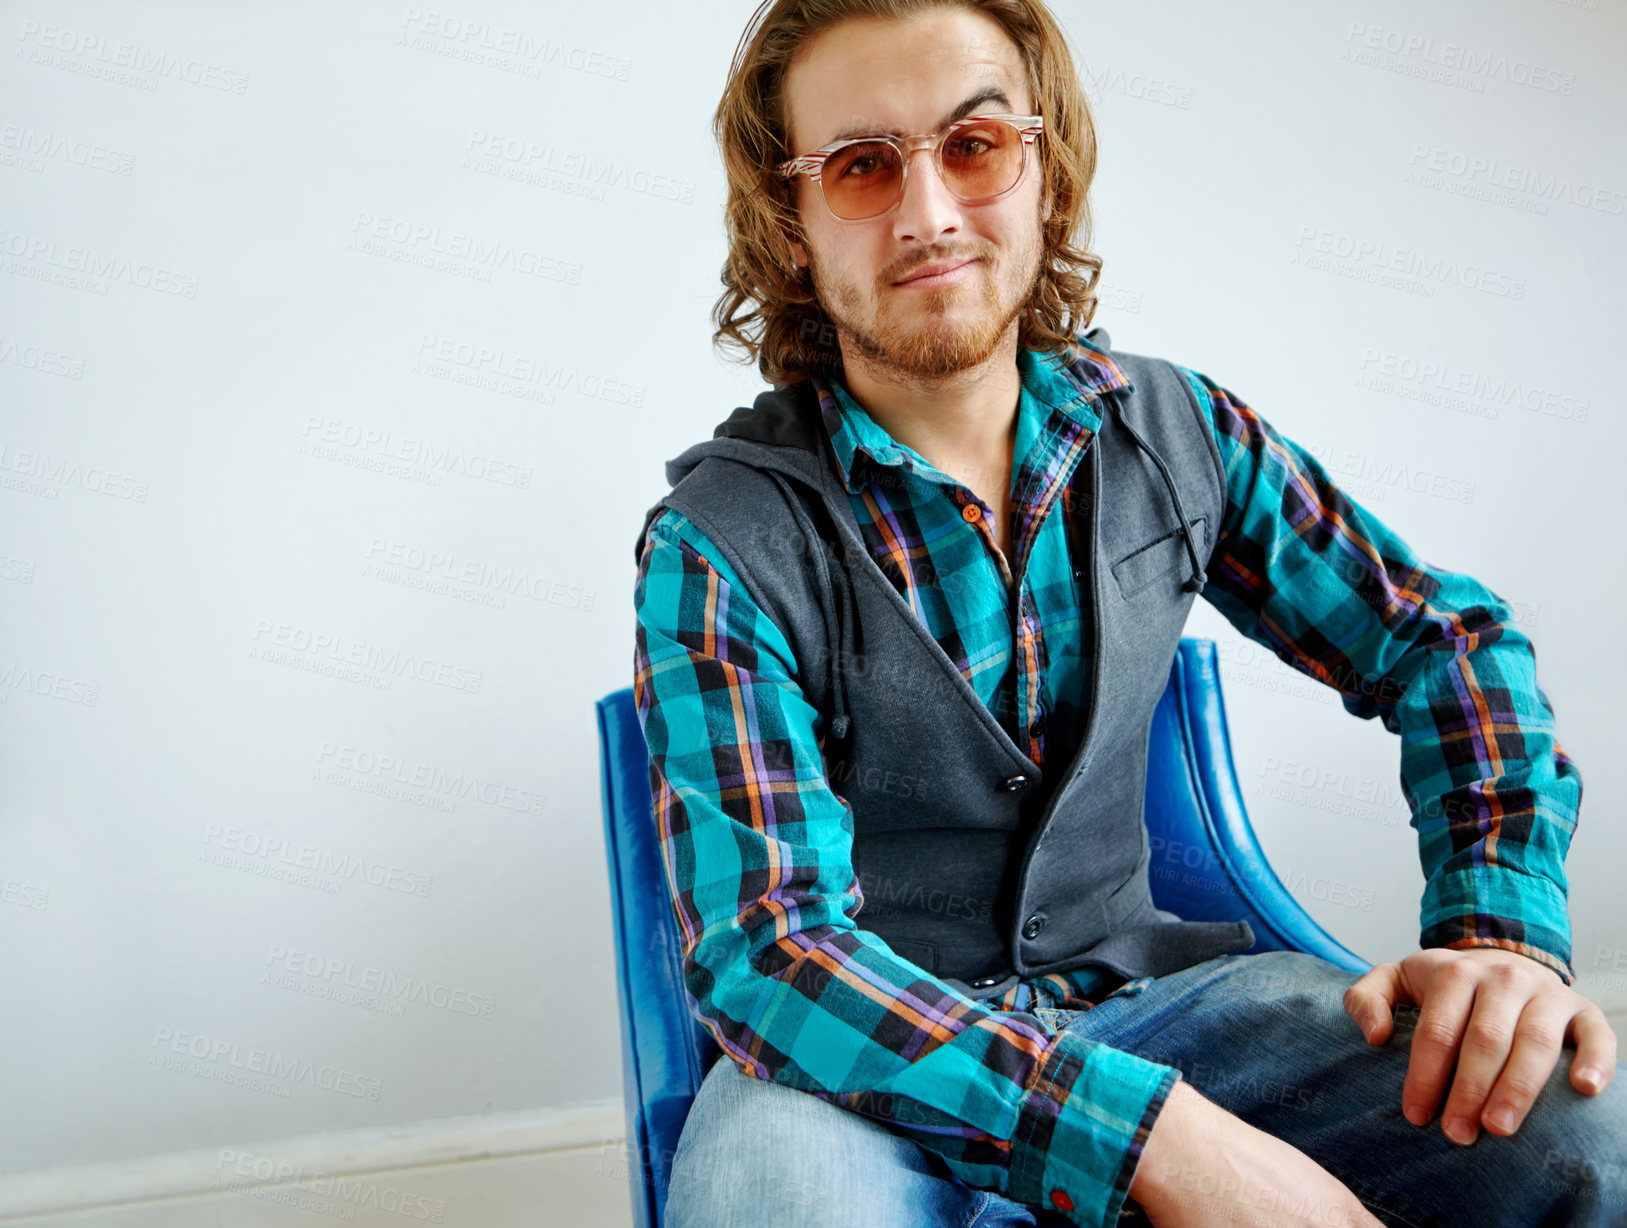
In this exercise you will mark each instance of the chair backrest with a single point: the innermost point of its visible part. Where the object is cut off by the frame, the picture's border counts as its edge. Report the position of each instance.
(665, 1049)
(1206, 865)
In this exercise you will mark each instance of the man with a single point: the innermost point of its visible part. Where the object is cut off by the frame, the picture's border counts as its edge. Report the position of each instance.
(901, 627)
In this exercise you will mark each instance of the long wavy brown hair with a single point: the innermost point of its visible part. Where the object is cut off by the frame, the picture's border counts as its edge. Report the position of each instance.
(768, 310)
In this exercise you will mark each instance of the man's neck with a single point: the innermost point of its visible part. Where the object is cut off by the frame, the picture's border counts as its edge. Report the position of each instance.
(964, 424)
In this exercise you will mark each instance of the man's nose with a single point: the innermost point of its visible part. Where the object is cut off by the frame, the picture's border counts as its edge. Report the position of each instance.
(928, 208)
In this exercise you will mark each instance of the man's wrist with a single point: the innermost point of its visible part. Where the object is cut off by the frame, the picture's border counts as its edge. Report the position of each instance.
(1542, 958)
(1149, 1182)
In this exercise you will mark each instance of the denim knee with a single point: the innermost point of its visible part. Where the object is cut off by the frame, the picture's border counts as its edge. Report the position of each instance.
(756, 1152)
(728, 1159)
(1576, 1148)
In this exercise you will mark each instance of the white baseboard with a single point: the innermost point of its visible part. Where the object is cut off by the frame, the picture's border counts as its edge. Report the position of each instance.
(305, 1158)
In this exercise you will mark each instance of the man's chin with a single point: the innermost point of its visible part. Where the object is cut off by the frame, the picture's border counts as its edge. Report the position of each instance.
(948, 344)
(934, 355)
(930, 344)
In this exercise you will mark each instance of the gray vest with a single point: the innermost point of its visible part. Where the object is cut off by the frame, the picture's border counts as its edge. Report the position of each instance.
(975, 864)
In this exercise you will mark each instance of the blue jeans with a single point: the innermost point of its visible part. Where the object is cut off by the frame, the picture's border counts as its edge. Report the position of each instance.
(1265, 1036)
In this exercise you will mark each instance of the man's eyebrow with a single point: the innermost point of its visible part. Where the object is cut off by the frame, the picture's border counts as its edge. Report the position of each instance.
(989, 93)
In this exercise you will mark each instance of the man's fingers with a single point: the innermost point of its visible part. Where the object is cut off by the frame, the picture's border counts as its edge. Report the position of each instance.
(1484, 1049)
(1442, 1018)
(1538, 1037)
(1595, 1051)
(1368, 1001)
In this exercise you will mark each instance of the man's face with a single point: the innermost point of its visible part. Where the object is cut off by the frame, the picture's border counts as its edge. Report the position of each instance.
(907, 75)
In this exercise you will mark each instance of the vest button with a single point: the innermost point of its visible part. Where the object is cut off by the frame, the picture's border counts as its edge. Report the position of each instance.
(1037, 728)
(1033, 926)
(1012, 783)
(1078, 573)
(983, 982)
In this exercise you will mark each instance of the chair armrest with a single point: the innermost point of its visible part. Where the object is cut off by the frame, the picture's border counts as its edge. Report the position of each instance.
(1206, 862)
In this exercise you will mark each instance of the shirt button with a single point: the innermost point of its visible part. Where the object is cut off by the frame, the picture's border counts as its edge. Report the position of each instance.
(1033, 926)
(1037, 728)
(971, 513)
(1012, 783)
(1061, 1201)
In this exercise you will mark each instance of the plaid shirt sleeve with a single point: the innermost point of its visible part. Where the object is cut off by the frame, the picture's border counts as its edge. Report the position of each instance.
(1306, 571)
(758, 853)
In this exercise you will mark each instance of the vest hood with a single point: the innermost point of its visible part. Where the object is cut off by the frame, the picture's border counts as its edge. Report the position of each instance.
(782, 430)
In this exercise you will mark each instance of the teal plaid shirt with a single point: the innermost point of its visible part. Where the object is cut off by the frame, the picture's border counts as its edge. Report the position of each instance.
(759, 859)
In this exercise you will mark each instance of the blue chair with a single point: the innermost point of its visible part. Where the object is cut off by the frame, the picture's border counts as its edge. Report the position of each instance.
(1206, 865)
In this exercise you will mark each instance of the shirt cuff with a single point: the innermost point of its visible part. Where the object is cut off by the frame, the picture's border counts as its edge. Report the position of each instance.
(1475, 908)
(1083, 1128)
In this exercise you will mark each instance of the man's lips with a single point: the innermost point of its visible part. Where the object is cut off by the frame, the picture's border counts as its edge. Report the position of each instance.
(943, 272)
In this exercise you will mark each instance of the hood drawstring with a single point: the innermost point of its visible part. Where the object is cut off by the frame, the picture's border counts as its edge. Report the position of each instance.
(1195, 582)
(841, 724)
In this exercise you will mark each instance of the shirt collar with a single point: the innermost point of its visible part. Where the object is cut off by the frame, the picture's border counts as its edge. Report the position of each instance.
(1047, 384)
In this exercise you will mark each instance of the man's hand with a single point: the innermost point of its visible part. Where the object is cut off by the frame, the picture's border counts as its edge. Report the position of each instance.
(1509, 1016)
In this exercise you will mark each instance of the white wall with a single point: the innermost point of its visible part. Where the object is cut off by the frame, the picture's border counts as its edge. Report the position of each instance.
(228, 275)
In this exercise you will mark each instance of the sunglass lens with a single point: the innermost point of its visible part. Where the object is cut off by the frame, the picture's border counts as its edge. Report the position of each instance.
(861, 180)
(982, 159)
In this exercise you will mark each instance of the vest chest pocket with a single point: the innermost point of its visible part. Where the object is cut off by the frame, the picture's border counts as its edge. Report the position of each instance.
(924, 955)
(1128, 900)
(1157, 558)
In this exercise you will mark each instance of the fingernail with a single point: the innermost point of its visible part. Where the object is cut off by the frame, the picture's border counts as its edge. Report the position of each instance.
(1415, 1114)
(1592, 1079)
(1501, 1117)
(1460, 1131)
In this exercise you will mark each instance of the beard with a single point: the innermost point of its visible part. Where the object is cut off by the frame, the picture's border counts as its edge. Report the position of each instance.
(921, 336)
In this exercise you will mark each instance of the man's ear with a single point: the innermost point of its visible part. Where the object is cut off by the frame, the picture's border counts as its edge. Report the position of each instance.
(799, 254)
